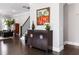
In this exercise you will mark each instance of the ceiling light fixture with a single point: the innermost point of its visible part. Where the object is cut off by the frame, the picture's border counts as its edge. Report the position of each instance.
(25, 7)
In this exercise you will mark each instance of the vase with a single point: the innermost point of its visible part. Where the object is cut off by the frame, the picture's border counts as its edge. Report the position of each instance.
(33, 26)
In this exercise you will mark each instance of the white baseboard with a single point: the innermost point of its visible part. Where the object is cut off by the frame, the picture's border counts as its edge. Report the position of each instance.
(66, 42)
(71, 43)
(58, 49)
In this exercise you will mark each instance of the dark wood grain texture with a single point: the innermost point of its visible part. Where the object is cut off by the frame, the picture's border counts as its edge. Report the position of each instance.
(41, 39)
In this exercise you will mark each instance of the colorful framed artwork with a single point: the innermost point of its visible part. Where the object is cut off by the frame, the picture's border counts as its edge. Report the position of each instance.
(43, 16)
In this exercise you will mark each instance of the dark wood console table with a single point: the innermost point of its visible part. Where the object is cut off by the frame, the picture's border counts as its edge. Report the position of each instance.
(41, 39)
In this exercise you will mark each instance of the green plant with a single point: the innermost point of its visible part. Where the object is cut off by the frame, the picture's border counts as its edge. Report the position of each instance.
(47, 26)
(9, 22)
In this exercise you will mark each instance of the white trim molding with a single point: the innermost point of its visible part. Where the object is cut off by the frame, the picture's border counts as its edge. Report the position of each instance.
(71, 43)
(65, 42)
(58, 49)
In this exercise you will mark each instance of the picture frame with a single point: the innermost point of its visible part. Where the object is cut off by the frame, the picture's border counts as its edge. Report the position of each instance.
(43, 16)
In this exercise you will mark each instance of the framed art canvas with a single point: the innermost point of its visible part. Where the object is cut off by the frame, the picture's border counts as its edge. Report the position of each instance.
(43, 16)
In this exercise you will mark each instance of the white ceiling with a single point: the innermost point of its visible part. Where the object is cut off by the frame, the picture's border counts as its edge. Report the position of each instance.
(9, 9)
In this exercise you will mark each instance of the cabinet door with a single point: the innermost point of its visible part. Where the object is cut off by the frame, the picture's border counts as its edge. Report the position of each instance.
(44, 44)
(29, 41)
(34, 43)
(38, 43)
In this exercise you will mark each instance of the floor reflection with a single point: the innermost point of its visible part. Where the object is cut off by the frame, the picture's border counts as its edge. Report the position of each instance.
(18, 47)
(4, 48)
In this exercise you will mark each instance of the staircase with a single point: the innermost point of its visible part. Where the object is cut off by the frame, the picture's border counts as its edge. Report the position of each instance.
(25, 27)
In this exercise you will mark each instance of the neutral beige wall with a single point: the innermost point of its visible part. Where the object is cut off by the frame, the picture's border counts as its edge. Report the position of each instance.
(65, 27)
(71, 23)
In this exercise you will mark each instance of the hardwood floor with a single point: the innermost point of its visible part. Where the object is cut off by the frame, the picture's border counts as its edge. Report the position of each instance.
(69, 50)
(18, 47)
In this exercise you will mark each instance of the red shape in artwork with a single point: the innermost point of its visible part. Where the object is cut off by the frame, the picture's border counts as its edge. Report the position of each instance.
(42, 19)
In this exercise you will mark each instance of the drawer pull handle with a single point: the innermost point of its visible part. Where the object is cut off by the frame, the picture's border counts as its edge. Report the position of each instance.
(41, 36)
(31, 35)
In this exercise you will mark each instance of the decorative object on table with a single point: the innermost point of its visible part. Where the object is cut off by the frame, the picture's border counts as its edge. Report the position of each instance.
(9, 23)
(47, 26)
(43, 16)
(33, 26)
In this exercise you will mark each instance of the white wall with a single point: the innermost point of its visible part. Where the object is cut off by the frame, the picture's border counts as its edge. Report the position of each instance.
(55, 21)
(21, 18)
(65, 22)
(73, 23)
(61, 20)
(0, 23)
